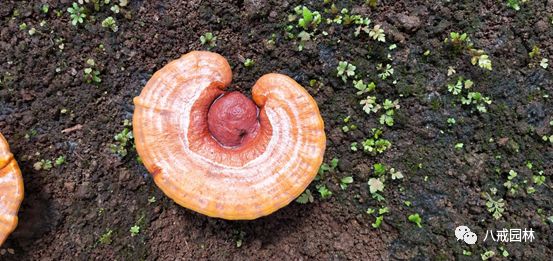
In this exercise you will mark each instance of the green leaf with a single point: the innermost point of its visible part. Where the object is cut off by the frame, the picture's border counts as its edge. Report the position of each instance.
(324, 191)
(334, 163)
(307, 15)
(379, 169)
(415, 218)
(377, 222)
(305, 197)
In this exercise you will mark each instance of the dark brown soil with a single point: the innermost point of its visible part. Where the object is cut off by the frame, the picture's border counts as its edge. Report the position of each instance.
(67, 209)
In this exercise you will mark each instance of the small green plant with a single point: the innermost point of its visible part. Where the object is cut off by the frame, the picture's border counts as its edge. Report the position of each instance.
(544, 63)
(324, 191)
(309, 19)
(460, 42)
(345, 70)
(481, 58)
(353, 146)
(536, 58)
(547, 138)
(496, 207)
(77, 14)
(347, 128)
(59, 161)
(379, 217)
(487, 255)
(105, 239)
(375, 144)
(110, 23)
(135, 230)
(459, 146)
(209, 39)
(345, 181)
(538, 179)
(248, 63)
(151, 200)
(239, 236)
(43, 165)
(378, 222)
(123, 139)
(377, 33)
(388, 117)
(385, 71)
(90, 74)
(472, 98)
(45, 8)
(363, 87)
(514, 4)
(305, 197)
(510, 184)
(415, 218)
(379, 169)
(115, 9)
(325, 167)
(370, 105)
(396, 174)
(504, 251)
(375, 185)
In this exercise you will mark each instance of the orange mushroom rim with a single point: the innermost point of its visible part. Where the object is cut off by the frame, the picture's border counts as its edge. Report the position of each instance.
(11, 190)
(220, 153)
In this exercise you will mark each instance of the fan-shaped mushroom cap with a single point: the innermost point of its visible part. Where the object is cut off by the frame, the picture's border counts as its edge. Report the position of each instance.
(271, 165)
(11, 190)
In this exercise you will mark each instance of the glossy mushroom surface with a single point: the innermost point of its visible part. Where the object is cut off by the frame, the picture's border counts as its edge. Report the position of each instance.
(11, 190)
(213, 158)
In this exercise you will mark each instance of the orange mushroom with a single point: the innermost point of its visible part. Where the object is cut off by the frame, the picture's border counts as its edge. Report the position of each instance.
(11, 190)
(219, 153)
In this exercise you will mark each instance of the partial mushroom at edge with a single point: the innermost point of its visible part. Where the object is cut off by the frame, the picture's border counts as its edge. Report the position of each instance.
(11, 190)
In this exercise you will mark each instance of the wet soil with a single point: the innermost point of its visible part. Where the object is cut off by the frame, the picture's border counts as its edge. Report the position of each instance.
(48, 110)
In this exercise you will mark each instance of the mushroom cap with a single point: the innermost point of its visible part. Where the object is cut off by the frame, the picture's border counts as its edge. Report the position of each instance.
(243, 182)
(11, 190)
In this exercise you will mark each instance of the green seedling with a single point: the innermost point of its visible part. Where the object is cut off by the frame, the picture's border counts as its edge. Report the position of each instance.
(377, 33)
(345, 181)
(135, 230)
(77, 14)
(110, 23)
(345, 70)
(43, 165)
(496, 207)
(305, 197)
(309, 19)
(248, 63)
(59, 161)
(105, 239)
(324, 191)
(209, 39)
(415, 218)
(363, 87)
(123, 140)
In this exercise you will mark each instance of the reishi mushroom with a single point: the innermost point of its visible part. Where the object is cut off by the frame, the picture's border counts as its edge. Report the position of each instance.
(220, 153)
(11, 190)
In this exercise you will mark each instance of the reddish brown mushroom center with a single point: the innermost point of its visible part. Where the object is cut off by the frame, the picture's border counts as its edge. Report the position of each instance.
(233, 119)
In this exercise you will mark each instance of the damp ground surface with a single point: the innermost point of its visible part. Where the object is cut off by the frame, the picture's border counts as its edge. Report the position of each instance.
(85, 207)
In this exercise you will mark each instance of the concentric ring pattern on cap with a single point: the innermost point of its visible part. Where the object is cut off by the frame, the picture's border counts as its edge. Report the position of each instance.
(192, 168)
